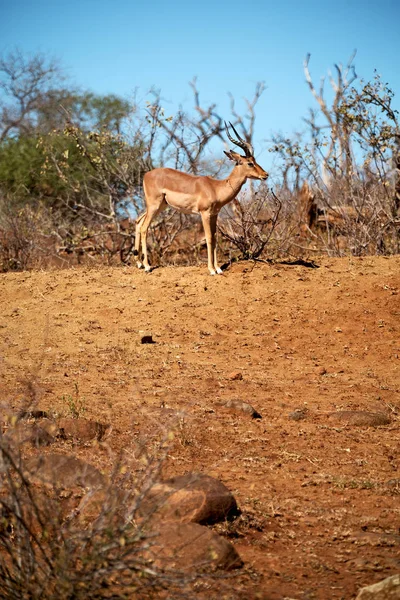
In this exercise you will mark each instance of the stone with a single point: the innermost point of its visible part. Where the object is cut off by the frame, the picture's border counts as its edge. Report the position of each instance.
(299, 414)
(37, 435)
(235, 376)
(63, 471)
(244, 407)
(82, 429)
(33, 414)
(191, 547)
(193, 497)
(387, 589)
(361, 418)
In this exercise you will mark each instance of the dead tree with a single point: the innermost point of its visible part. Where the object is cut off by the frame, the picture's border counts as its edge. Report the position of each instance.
(307, 210)
(337, 160)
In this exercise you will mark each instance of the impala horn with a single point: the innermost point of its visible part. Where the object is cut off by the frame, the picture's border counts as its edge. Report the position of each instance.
(248, 148)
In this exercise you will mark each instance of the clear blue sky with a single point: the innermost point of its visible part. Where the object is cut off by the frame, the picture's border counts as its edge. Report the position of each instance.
(118, 46)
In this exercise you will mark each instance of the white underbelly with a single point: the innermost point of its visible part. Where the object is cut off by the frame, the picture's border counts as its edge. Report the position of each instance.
(183, 202)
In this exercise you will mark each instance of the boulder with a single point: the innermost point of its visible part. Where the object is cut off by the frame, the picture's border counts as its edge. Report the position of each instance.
(38, 435)
(387, 589)
(63, 471)
(193, 497)
(191, 547)
(82, 430)
(33, 414)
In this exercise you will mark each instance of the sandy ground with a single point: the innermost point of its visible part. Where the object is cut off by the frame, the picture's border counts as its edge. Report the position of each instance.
(320, 496)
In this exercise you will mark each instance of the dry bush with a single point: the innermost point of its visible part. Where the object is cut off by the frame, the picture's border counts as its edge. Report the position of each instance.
(177, 239)
(32, 238)
(249, 225)
(349, 155)
(97, 549)
(98, 243)
(359, 222)
(27, 239)
(355, 222)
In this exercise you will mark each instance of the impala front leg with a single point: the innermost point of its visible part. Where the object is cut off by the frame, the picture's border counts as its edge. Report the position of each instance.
(210, 228)
(206, 218)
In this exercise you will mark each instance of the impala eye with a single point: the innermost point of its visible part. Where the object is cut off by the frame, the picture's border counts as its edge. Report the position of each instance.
(250, 164)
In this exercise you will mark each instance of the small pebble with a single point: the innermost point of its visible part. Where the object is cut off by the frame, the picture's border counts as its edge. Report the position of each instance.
(235, 375)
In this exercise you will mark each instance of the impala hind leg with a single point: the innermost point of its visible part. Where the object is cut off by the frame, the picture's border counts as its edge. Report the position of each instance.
(136, 251)
(144, 225)
(213, 224)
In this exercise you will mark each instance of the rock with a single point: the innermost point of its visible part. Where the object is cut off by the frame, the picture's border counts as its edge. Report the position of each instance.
(361, 418)
(393, 483)
(193, 497)
(41, 437)
(387, 589)
(37, 435)
(56, 488)
(63, 471)
(244, 407)
(321, 371)
(191, 547)
(33, 414)
(82, 429)
(235, 376)
(146, 338)
(44, 434)
(298, 414)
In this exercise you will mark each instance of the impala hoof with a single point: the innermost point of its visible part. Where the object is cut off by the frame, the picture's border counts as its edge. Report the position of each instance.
(220, 271)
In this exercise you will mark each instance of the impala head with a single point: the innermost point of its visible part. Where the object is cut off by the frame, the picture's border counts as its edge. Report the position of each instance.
(250, 166)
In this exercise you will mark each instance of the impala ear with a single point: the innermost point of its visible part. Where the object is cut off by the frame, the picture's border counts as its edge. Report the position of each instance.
(233, 156)
(229, 155)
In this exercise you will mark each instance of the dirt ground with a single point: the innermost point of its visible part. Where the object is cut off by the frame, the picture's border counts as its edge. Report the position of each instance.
(319, 495)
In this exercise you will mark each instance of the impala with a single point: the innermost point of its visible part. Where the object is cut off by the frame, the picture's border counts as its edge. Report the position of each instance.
(196, 195)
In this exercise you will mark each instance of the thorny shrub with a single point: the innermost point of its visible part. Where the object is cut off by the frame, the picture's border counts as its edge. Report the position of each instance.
(98, 549)
(249, 225)
(26, 238)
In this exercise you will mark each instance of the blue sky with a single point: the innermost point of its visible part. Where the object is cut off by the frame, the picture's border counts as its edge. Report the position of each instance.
(123, 45)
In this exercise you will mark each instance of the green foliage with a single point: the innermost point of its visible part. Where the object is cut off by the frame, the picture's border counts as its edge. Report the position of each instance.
(89, 111)
(69, 171)
(28, 176)
(93, 112)
(82, 171)
(75, 403)
(20, 164)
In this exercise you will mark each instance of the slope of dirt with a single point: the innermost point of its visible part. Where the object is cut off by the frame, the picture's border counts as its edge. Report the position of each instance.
(320, 496)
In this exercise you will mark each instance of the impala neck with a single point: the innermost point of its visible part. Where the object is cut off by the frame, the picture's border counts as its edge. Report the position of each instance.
(233, 183)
